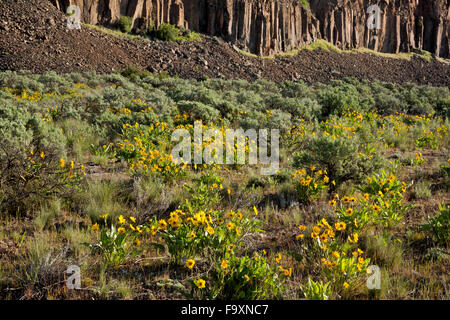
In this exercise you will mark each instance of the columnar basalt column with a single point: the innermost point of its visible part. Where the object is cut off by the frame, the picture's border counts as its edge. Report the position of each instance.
(267, 27)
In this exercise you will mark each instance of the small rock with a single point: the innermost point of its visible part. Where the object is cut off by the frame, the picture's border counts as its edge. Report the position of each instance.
(50, 21)
(336, 73)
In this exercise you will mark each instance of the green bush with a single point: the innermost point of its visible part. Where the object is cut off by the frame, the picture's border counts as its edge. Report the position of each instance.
(32, 175)
(387, 103)
(19, 128)
(278, 120)
(168, 32)
(124, 24)
(115, 243)
(299, 89)
(200, 111)
(30, 153)
(264, 281)
(439, 225)
(305, 108)
(316, 290)
(134, 73)
(189, 35)
(342, 97)
(340, 157)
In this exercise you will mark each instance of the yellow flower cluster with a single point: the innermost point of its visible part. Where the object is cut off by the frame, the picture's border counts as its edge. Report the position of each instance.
(142, 154)
(124, 225)
(310, 184)
(299, 130)
(323, 231)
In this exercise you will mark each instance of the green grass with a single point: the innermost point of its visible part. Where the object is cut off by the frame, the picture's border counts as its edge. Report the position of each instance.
(103, 198)
(46, 214)
(329, 47)
(401, 55)
(113, 32)
(422, 190)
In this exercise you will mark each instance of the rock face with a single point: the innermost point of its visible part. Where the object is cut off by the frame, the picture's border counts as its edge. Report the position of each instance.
(41, 41)
(267, 27)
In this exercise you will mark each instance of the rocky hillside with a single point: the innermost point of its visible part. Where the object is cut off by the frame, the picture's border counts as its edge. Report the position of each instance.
(34, 36)
(266, 27)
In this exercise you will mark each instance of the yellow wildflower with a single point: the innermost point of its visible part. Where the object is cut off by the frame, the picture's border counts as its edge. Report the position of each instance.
(210, 230)
(278, 258)
(230, 225)
(288, 272)
(300, 236)
(95, 227)
(190, 263)
(353, 239)
(200, 283)
(224, 264)
(162, 224)
(340, 226)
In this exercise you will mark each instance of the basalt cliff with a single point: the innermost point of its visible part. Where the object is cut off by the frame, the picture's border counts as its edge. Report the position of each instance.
(266, 27)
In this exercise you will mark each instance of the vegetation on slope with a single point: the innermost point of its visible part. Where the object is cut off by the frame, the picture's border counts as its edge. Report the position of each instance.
(86, 179)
